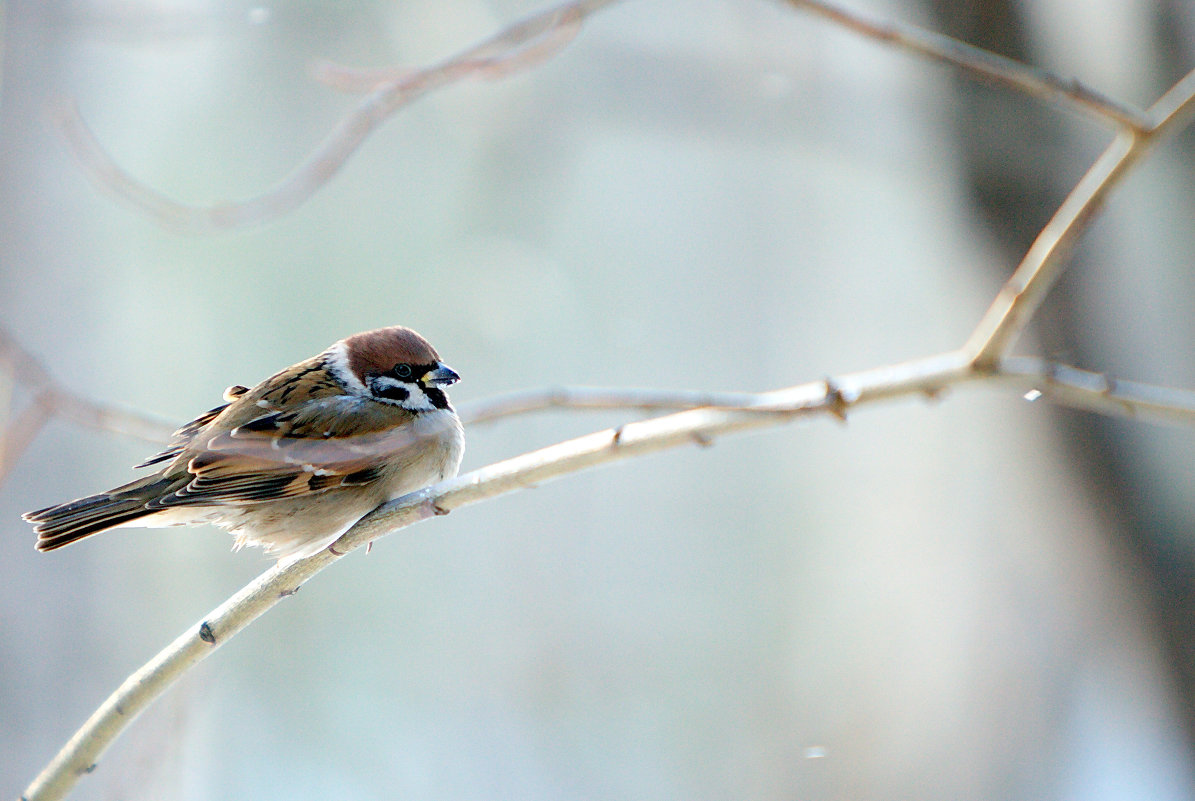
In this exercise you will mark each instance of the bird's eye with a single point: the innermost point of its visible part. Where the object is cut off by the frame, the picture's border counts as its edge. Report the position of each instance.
(403, 370)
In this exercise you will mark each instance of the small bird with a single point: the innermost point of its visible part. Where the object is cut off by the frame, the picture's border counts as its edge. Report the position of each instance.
(292, 463)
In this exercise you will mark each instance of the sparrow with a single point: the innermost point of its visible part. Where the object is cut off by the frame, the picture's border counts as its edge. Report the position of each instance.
(292, 463)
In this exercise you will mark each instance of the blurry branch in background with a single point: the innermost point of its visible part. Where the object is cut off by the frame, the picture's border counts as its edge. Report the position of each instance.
(981, 63)
(519, 47)
(985, 358)
(1057, 382)
(522, 45)
(1097, 392)
(1061, 383)
(18, 429)
(1024, 292)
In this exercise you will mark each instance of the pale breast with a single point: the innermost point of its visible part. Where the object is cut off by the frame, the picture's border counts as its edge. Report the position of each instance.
(440, 445)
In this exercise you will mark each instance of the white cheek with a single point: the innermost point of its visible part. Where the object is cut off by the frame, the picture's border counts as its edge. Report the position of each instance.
(336, 359)
(416, 400)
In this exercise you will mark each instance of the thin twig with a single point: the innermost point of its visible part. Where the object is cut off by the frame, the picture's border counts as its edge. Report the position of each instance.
(1024, 292)
(1098, 392)
(522, 45)
(1037, 273)
(989, 66)
(518, 47)
(19, 432)
(534, 400)
(55, 399)
(21, 364)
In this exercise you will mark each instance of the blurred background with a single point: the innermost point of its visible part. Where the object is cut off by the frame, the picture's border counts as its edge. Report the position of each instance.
(971, 599)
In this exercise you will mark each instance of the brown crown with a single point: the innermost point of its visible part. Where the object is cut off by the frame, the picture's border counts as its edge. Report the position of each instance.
(379, 350)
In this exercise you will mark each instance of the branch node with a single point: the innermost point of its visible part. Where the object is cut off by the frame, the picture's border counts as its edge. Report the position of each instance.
(617, 440)
(206, 634)
(288, 592)
(836, 402)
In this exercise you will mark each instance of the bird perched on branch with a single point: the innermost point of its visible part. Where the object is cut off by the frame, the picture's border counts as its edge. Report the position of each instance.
(292, 463)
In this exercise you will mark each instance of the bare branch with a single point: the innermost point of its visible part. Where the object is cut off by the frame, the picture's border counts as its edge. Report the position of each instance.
(517, 403)
(1097, 392)
(989, 66)
(1174, 110)
(19, 432)
(520, 46)
(1024, 292)
(56, 400)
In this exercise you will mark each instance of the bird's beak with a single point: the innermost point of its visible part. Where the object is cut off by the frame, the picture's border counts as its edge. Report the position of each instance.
(442, 376)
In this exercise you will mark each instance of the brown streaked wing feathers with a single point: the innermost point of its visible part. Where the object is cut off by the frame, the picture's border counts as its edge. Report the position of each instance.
(287, 454)
(182, 437)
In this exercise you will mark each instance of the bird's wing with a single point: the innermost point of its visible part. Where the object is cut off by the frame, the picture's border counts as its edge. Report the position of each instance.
(315, 446)
(182, 437)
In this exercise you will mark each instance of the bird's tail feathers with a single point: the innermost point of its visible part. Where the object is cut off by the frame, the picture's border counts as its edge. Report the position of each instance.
(65, 523)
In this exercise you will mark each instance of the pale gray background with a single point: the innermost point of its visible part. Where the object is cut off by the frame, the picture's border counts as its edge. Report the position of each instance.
(938, 597)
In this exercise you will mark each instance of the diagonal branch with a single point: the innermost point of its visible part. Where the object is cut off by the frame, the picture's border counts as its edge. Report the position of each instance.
(1098, 392)
(1037, 273)
(19, 432)
(51, 399)
(983, 64)
(518, 47)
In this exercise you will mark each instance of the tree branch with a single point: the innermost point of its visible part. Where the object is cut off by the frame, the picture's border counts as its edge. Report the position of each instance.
(1037, 273)
(1098, 392)
(50, 400)
(983, 64)
(518, 47)
(926, 378)
(20, 431)
(534, 400)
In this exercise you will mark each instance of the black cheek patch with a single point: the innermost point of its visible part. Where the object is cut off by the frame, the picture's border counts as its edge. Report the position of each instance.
(392, 393)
